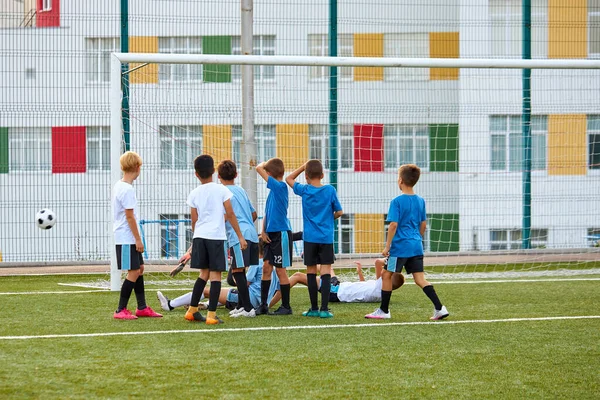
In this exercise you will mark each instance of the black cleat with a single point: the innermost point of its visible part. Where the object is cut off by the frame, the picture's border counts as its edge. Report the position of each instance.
(282, 311)
(262, 309)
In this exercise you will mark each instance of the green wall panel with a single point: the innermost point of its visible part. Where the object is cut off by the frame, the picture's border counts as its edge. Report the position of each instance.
(3, 150)
(216, 45)
(443, 141)
(443, 232)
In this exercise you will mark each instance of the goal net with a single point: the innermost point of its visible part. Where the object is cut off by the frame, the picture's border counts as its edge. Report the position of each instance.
(510, 177)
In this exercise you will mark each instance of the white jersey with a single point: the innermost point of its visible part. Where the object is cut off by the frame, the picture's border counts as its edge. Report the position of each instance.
(123, 199)
(208, 200)
(360, 292)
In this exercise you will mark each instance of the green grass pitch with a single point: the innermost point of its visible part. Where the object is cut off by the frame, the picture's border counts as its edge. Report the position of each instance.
(557, 358)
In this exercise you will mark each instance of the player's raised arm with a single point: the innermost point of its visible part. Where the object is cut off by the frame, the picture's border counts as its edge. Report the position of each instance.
(260, 169)
(291, 178)
(361, 277)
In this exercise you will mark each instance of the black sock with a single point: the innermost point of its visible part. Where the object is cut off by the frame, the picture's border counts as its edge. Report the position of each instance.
(215, 291)
(169, 304)
(243, 292)
(325, 290)
(264, 291)
(140, 294)
(311, 282)
(197, 292)
(430, 292)
(126, 290)
(386, 295)
(285, 295)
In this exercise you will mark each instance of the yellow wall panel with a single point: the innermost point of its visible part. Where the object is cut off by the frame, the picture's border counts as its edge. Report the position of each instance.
(368, 45)
(292, 145)
(567, 28)
(567, 144)
(444, 45)
(143, 44)
(216, 141)
(368, 233)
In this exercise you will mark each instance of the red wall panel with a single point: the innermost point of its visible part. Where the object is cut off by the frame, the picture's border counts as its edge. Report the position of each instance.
(68, 149)
(50, 18)
(368, 148)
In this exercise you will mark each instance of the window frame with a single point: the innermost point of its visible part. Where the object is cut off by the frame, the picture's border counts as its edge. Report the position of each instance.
(589, 133)
(265, 134)
(346, 225)
(30, 138)
(318, 134)
(398, 136)
(345, 46)
(536, 135)
(167, 72)
(259, 48)
(174, 240)
(46, 5)
(591, 14)
(102, 140)
(101, 57)
(169, 132)
(516, 242)
(407, 38)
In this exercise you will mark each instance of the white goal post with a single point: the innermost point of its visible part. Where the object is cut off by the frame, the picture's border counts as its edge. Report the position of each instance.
(118, 59)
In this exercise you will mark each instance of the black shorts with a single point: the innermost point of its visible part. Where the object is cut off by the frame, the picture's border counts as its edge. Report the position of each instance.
(209, 254)
(410, 264)
(244, 258)
(128, 258)
(279, 252)
(318, 253)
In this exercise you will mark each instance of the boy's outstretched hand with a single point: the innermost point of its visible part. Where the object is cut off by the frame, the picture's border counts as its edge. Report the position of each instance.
(182, 263)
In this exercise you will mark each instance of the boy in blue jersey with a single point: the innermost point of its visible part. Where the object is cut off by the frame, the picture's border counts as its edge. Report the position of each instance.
(320, 207)
(240, 259)
(404, 245)
(277, 235)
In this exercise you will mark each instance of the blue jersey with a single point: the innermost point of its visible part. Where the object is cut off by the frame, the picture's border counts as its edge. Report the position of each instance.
(243, 209)
(318, 206)
(277, 206)
(408, 211)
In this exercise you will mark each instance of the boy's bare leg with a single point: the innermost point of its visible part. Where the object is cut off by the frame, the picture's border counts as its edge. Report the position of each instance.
(386, 290)
(298, 277)
(428, 289)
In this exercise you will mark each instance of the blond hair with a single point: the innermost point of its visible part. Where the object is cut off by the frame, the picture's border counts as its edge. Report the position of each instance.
(130, 161)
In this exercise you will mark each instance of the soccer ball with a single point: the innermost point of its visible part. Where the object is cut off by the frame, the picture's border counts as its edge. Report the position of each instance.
(45, 219)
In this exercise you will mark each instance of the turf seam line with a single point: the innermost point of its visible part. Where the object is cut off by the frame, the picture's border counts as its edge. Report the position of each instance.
(299, 327)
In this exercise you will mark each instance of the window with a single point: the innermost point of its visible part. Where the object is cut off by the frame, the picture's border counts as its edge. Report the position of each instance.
(30, 149)
(318, 45)
(168, 235)
(593, 131)
(179, 145)
(506, 28)
(261, 46)
(189, 234)
(46, 5)
(512, 239)
(346, 146)
(98, 58)
(346, 233)
(180, 72)
(236, 144)
(406, 45)
(594, 28)
(318, 136)
(98, 148)
(593, 237)
(507, 143)
(265, 137)
(406, 144)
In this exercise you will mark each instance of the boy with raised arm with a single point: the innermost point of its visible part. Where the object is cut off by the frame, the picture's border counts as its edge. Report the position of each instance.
(240, 259)
(128, 242)
(404, 246)
(320, 207)
(277, 235)
(208, 203)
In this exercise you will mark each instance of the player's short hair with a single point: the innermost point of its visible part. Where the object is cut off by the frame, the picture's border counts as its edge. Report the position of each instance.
(130, 161)
(314, 169)
(204, 166)
(410, 174)
(227, 170)
(275, 167)
(397, 280)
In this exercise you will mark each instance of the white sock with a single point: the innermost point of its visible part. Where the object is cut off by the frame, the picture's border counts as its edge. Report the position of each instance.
(183, 300)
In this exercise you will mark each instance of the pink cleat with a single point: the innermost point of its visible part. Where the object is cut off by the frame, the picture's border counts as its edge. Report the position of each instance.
(147, 312)
(378, 314)
(124, 314)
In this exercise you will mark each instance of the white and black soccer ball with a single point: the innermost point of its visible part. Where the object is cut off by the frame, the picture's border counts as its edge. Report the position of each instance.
(45, 219)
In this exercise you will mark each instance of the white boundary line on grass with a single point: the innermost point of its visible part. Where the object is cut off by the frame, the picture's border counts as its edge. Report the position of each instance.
(99, 290)
(297, 327)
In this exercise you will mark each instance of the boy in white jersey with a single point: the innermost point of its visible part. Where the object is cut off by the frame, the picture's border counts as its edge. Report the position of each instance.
(128, 242)
(209, 202)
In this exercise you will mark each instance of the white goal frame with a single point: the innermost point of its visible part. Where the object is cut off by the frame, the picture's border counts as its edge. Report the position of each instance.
(116, 93)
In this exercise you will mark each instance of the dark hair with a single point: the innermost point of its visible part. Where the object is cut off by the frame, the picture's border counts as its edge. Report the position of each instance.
(410, 174)
(275, 167)
(204, 166)
(227, 170)
(314, 169)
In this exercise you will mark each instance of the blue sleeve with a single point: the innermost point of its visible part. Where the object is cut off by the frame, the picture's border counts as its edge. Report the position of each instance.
(299, 189)
(271, 183)
(393, 215)
(423, 213)
(252, 209)
(335, 202)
